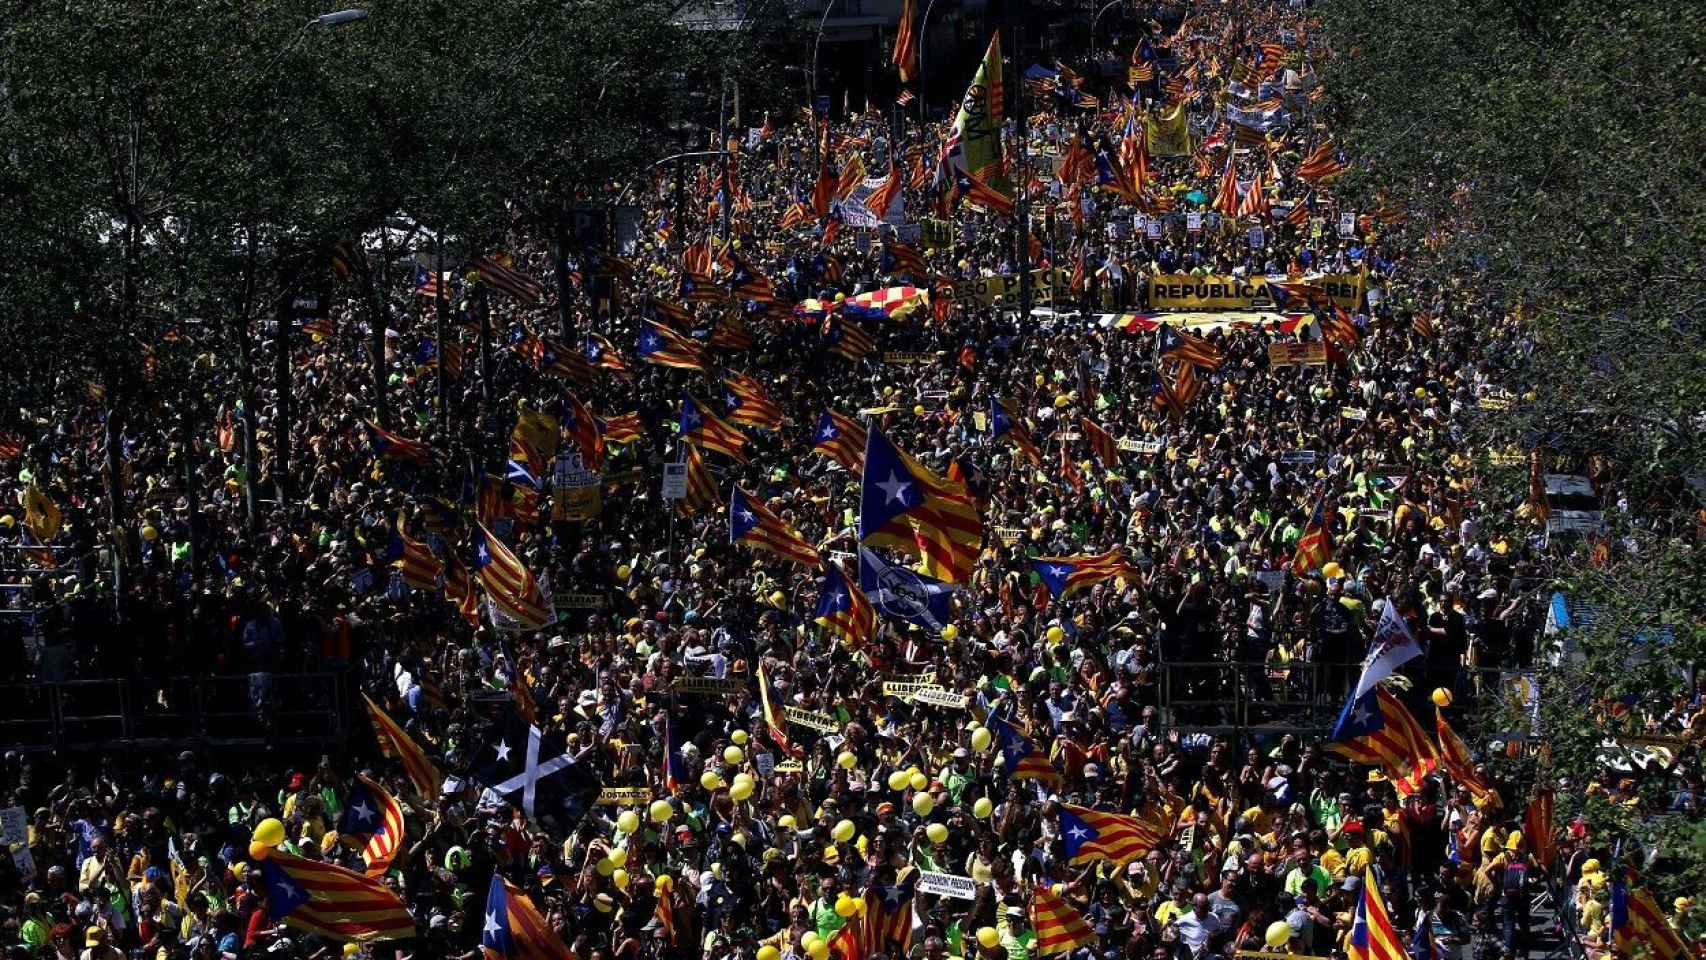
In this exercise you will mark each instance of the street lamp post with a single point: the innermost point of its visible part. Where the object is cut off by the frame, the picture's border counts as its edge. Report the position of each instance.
(811, 85)
(281, 336)
(1097, 19)
(923, 49)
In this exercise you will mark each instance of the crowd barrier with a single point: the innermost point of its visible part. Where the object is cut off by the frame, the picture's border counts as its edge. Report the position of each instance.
(294, 709)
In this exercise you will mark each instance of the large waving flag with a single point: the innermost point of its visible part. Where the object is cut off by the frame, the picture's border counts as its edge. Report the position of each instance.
(1021, 757)
(1455, 760)
(666, 348)
(752, 523)
(1064, 576)
(974, 143)
(1002, 423)
(905, 506)
(905, 594)
(906, 42)
(603, 355)
(1376, 729)
(1059, 928)
(370, 811)
(513, 928)
(1187, 346)
(622, 428)
(1093, 835)
(840, 438)
(508, 583)
(398, 745)
(415, 562)
(388, 446)
(1372, 935)
(1636, 918)
(328, 900)
(746, 283)
(1315, 546)
(747, 404)
(496, 272)
(847, 339)
(843, 609)
(702, 428)
(1393, 647)
(582, 429)
(702, 492)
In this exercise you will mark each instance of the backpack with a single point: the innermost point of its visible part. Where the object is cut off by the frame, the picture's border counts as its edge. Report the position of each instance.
(1516, 876)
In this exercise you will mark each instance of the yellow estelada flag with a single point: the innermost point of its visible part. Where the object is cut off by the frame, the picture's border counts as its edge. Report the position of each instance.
(41, 514)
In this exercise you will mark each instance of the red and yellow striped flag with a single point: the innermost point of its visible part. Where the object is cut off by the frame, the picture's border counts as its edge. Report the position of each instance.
(394, 743)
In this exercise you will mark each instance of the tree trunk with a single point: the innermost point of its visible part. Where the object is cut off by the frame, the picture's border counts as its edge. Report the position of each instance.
(281, 385)
(441, 330)
(246, 397)
(376, 338)
(115, 497)
(560, 264)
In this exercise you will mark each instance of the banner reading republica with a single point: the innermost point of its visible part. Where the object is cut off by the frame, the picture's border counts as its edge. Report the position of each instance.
(1182, 291)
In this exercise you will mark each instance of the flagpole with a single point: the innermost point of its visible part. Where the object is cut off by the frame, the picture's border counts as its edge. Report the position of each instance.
(923, 49)
(439, 329)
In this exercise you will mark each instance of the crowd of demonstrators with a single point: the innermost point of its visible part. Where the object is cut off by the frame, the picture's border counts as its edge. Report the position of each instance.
(1261, 841)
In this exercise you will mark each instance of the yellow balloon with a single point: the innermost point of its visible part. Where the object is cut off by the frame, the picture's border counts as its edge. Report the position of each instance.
(740, 790)
(810, 938)
(778, 599)
(844, 906)
(1055, 634)
(624, 571)
(819, 951)
(919, 411)
(710, 781)
(950, 633)
(628, 822)
(847, 760)
(620, 878)
(981, 739)
(1332, 571)
(150, 532)
(663, 882)
(898, 780)
(983, 808)
(605, 867)
(918, 781)
(259, 850)
(351, 949)
(987, 935)
(843, 831)
(923, 803)
(1278, 934)
(269, 831)
(733, 754)
(938, 833)
(1061, 400)
(1441, 697)
(661, 811)
(739, 737)
(604, 902)
(768, 952)
(787, 822)
(619, 856)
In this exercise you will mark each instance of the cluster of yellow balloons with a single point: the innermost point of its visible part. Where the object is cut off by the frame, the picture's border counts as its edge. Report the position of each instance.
(846, 906)
(269, 833)
(741, 788)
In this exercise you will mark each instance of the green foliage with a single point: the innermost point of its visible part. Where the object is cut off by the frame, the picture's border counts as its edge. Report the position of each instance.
(1554, 149)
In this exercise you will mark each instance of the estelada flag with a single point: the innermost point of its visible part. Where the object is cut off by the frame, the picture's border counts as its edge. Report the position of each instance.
(904, 505)
(1059, 928)
(327, 900)
(393, 742)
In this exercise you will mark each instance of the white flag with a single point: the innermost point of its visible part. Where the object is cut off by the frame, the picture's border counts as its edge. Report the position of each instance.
(1393, 647)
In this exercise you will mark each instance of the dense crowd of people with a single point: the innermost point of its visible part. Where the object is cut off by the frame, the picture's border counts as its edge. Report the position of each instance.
(1192, 690)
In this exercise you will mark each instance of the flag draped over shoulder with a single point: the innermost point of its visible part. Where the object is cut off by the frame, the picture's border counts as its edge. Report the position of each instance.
(328, 900)
(513, 928)
(395, 743)
(905, 506)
